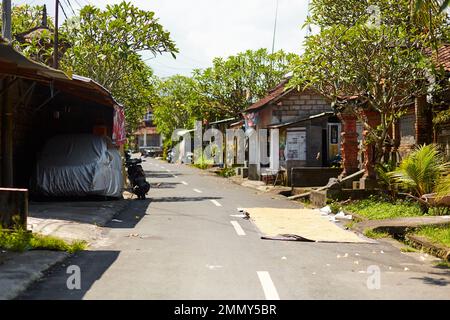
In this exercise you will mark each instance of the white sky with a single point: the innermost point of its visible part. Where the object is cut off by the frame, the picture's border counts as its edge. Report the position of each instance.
(204, 29)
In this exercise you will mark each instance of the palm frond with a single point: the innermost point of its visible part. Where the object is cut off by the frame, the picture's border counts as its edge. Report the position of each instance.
(420, 172)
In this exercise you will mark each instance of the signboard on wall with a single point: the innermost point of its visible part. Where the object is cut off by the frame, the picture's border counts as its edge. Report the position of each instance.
(295, 145)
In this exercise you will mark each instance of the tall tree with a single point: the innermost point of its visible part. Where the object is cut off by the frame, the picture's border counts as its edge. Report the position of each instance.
(362, 66)
(234, 83)
(178, 104)
(107, 46)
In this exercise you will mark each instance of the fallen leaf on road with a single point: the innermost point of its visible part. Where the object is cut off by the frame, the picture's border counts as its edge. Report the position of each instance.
(131, 235)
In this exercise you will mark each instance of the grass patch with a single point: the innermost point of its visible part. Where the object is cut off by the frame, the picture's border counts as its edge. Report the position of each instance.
(443, 264)
(226, 172)
(350, 224)
(378, 209)
(438, 235)
(408, 249)
(20, 240)
(369, 233)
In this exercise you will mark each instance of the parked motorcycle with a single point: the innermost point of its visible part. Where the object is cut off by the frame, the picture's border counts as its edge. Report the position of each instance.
(136, 175)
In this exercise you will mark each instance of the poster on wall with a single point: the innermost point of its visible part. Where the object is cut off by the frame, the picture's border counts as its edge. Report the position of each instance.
(119, 133)
(296, 145)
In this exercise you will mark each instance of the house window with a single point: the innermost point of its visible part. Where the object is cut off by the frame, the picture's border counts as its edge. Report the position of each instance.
(153, 140)
(148, 116)
(407, 129)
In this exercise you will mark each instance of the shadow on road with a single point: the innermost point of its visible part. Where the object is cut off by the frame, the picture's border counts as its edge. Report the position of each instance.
(130, 217)
(164, 185)
(92, 264)
(161, 174)
(441, 282)
(183, 199)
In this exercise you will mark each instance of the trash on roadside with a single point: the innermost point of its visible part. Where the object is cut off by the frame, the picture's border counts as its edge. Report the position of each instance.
(326, 210)
(333, 219)
(342, 215)
(133, 235)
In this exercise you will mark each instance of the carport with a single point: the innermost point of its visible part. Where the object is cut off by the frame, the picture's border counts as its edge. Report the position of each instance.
(38, 102)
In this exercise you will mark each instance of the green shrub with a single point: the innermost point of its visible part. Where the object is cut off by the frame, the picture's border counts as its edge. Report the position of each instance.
(20, 240)
(227, 172)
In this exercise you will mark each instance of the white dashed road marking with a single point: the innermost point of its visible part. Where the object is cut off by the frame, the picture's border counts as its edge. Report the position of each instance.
(184, 182)
(216, 203)
(198, 191)
(270, 291)
(238, 228)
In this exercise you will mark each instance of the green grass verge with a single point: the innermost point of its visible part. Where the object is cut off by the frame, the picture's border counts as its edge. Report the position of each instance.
(369, 233)
(438, 235)
(20, 240)
(443, 264)
(408, 249)
(378, 209)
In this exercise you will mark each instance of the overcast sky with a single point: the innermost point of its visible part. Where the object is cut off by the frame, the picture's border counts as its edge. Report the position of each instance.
(204, 29)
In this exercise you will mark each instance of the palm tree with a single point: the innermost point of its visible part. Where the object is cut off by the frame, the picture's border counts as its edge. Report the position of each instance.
(421, 171)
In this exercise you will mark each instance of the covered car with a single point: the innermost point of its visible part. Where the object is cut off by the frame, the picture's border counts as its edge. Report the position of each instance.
(78, 165)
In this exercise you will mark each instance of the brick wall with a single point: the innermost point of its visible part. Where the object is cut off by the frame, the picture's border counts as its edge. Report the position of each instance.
(295, 106)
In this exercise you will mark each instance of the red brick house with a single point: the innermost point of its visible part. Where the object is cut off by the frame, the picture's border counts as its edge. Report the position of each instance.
(309, 133)
(416, 127)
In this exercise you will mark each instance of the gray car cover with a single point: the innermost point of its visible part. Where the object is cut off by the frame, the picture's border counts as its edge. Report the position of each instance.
(79, 165)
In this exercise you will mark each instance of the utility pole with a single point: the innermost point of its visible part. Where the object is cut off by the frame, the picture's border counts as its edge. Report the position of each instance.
(275, 28)
(6, 18)
(55, 42)
(44, 17)
(6, 109)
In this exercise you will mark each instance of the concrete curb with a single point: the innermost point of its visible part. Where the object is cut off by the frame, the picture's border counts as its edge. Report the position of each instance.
(424, 244)
(20, 270)
(23, 269)
(402, 225)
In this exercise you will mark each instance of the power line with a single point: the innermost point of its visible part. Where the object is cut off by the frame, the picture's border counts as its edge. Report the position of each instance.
(78, 3)
(70, 5)
(64, 12)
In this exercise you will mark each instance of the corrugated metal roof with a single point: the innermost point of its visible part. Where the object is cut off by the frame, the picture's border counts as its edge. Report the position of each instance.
(13, 63)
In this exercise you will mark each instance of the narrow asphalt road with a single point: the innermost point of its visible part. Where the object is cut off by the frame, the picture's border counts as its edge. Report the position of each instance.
(188, 242)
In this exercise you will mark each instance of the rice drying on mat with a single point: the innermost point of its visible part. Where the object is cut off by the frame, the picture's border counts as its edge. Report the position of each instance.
(299, 224)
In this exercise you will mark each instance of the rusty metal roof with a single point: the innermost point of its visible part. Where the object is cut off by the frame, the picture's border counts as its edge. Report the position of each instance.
(13, 63)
